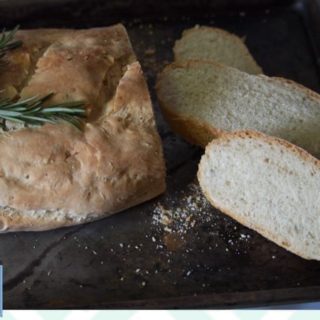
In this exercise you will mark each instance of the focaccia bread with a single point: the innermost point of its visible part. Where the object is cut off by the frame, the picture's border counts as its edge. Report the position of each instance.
(57, 175)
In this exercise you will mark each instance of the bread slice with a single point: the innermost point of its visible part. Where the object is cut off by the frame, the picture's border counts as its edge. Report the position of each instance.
(268, 185)
(201, 100)
(213, 44)
(56, 175)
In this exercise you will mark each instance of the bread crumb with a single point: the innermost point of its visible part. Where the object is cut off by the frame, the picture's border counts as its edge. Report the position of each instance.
(182, 212)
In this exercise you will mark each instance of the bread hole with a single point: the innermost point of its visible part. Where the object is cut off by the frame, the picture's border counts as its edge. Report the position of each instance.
(310, 236)
(67, 155)
(266, 160)
(27, 176)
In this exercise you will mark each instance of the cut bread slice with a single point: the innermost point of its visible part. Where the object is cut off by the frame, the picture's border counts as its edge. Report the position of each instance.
(207, 43)
(56, 175)
(201, 100)
(268, 185)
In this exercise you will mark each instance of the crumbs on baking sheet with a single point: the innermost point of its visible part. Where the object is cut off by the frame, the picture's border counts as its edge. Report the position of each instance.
(184, 224)
(182, 213)
(183, 216)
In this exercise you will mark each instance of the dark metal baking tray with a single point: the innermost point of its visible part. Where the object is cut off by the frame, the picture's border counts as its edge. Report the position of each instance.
(129, 260)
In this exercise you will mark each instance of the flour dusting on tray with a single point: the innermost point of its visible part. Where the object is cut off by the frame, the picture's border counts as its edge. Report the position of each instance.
(184, 211)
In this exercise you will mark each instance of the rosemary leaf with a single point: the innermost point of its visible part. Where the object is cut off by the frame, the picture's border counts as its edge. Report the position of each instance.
(32, 111)
(7, 41)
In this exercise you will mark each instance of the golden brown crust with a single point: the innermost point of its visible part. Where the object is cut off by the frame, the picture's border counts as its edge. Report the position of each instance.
(195, 131)
(21, 61)
(299, 87)
(79, 46)
(289, 147)
(191, 129)
(245, 134)
(64, 176)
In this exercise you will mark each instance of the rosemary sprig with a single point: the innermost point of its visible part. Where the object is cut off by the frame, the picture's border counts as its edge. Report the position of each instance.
(7, 41)
(32, 111)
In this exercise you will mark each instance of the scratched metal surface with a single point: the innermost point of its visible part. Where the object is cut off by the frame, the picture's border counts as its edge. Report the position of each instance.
(128, 260)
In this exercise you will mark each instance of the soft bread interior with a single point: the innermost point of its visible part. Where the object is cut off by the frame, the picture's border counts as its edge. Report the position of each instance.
(225, 99)
(268, 185)
(213, 44)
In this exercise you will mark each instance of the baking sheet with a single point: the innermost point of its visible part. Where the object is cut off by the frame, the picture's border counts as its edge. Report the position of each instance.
(173, 251)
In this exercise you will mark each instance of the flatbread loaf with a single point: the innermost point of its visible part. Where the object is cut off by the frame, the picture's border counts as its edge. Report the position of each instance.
(57, 175)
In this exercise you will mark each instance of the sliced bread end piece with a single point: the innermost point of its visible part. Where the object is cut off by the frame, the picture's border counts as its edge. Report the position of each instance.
(208, 43)
(268, 185)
